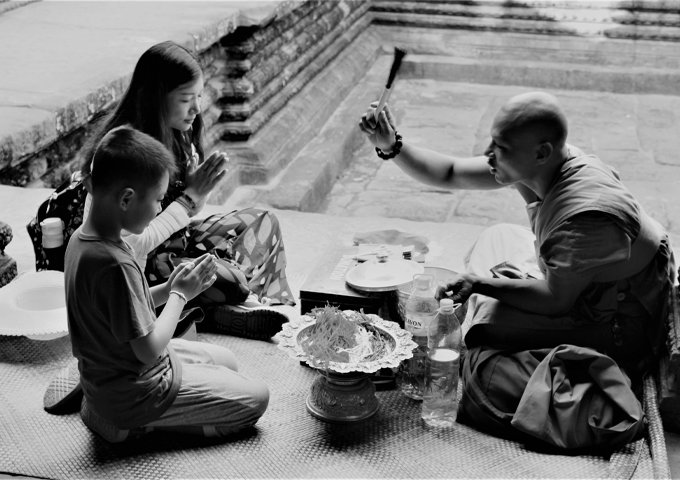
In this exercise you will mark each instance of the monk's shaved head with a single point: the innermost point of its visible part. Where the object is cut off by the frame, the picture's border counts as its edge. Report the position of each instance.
(537, 114)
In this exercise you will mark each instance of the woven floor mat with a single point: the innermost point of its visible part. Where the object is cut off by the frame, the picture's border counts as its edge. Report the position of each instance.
(286, 443)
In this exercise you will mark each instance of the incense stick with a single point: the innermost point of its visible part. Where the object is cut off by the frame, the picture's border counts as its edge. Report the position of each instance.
(399, 55)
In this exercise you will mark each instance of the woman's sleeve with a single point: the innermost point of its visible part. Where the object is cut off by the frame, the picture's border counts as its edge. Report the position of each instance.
(165, 224)
(584, 245)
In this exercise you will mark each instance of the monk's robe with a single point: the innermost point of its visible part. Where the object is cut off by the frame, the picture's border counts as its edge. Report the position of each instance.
(588, 224)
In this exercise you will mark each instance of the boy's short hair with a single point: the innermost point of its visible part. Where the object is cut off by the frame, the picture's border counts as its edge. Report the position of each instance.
(126, 157)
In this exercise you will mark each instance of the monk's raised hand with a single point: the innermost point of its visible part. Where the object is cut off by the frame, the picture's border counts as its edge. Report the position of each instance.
(380, 132)
(459, 290)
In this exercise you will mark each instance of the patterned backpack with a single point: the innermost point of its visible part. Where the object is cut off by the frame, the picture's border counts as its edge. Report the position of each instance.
(67, 202)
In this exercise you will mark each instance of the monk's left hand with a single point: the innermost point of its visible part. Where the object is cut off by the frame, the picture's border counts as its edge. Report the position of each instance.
(459, 290)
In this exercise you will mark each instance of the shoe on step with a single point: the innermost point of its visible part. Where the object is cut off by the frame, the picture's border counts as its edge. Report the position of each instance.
(64, 393)
(249, 320)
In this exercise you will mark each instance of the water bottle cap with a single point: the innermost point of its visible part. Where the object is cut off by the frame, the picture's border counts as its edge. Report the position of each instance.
(446, 303)
(423, 281)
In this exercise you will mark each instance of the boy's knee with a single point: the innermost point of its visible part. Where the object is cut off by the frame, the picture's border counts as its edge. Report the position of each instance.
(260, 397)
(250, 410)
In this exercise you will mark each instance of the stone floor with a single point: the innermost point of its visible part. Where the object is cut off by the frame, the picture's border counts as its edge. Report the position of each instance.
(639, 135)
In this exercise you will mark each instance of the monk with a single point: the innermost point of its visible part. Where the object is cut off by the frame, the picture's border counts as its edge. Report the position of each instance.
(594, 270)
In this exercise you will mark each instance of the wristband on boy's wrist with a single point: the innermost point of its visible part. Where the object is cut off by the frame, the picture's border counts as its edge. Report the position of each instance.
(179, 294)
(396, 148)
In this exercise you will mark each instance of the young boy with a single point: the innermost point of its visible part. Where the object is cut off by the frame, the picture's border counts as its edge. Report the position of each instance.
(134, 376)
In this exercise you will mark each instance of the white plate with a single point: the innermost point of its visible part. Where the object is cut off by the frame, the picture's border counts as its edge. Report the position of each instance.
(382, 277)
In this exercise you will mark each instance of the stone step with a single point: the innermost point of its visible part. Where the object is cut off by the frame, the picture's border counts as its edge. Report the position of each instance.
(543, 74)
(654, 6)
(282, 75)
(550, 18)
(521, 47)
(594, 13)
(533, 26)
(311, 175)
(308, 107)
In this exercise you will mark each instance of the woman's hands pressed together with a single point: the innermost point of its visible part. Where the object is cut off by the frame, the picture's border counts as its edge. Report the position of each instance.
(203, 178)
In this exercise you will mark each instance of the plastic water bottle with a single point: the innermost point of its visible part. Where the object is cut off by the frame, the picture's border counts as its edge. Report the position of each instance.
(53, 242)
(440, 402)
(421, 309)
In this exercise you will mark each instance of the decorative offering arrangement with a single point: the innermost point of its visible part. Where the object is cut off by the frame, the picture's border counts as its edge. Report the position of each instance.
(343, 337)
(345, 346)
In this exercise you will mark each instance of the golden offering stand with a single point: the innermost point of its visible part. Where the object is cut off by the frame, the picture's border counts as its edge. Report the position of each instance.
(343, 391)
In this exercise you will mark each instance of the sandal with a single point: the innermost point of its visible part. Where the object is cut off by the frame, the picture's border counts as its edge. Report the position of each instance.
(64, 393)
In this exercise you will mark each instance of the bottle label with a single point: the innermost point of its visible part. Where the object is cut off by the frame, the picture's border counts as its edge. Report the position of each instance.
(418, 324)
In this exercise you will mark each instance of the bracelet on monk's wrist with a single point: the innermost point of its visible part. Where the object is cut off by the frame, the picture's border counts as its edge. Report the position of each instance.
(180, 295)
(396, 148)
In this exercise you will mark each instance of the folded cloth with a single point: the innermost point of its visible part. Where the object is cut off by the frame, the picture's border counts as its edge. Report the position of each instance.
(568, 397)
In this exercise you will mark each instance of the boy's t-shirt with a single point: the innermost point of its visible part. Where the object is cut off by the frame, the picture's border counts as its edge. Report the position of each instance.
(109, 304)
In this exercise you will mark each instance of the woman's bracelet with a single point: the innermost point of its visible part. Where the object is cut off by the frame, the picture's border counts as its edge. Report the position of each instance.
(188, 202)
(179, 294)
(396, 148)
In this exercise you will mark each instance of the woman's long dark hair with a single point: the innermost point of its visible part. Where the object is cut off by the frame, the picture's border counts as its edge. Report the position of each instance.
(160, 70)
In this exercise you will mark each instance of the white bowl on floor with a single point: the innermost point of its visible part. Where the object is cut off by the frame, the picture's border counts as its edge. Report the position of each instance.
(34, 305)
